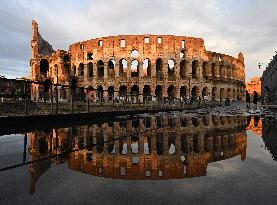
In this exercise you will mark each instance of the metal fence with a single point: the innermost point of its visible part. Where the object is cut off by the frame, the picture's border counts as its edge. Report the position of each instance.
(60, 99)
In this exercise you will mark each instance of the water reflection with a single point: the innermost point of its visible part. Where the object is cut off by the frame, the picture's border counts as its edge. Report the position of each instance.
(162, 146)
(269, 135)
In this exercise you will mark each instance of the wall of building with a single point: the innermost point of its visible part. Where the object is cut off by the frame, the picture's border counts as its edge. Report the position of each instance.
(179, 66)
(269, 79)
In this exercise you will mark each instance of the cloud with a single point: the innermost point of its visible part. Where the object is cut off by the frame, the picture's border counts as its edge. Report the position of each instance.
(229, 26)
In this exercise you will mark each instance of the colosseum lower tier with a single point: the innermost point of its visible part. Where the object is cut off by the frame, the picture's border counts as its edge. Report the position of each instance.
(157, 65)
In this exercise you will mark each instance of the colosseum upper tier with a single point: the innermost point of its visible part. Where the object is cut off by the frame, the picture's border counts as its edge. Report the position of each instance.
(159, 65)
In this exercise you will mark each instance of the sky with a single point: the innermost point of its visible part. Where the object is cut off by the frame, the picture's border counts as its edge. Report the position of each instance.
(227, 26)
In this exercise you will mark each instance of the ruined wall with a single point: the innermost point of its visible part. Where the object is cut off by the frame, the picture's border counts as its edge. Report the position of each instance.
(178, 66)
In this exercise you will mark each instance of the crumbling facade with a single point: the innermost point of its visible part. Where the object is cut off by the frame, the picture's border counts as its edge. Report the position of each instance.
(157, 65)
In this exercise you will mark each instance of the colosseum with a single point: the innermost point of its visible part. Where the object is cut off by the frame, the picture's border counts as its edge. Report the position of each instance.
(152, 65)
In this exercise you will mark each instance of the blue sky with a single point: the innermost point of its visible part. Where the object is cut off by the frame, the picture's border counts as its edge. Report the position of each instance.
(227, 26)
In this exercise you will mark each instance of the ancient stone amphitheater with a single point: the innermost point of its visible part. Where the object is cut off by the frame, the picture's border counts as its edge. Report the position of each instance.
(159, 65)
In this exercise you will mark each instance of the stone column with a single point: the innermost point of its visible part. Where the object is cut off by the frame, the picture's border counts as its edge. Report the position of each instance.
(217, 74)
(106, 76)
(209, 69)
(116, 68)
(85, 73)
(201, 70)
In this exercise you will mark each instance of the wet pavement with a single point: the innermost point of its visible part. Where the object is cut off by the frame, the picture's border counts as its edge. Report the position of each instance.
(208, 156)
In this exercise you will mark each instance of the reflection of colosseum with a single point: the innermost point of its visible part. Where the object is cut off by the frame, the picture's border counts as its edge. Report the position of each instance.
(165, 147)
(161, 65)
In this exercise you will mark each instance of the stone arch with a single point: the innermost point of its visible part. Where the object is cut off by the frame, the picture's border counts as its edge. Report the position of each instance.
(183, 69)
(234, 94)
(81, 69)
(90, 69)
(123, 91)
(100, 69)
(146, 90)
(111, 66)
(135, 90)
(44, 67)
(171, 92)
(229, 93)
(171, 69)
(221, 70)
(159, 92)
(183, 92)
(110, 92)
(159, 69)
(147, 67)
(205, 68)
(134, 68)
(195, 92)
(214, 93)
(213, 69)
(99, 92)
(205, 92)
(195, 69)
(222, 95)
(123, 64)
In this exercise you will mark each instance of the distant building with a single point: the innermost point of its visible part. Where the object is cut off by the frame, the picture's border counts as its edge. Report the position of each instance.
(269, 79)
(254, 85)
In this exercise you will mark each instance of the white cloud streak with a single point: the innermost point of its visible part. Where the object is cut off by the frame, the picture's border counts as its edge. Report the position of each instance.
(227, 26)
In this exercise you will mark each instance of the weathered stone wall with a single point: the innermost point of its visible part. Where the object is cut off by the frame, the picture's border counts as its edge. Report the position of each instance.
(106, 63)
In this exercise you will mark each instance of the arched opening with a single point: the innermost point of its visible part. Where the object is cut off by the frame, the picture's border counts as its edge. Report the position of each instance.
(134, 68)
(134, 90)
(213, 70)
(111, 65)
(146, 90)
(171, 69)
(221, 71)
(214, 96)
(183, 69)
(134, 54)
(205, 92)
(66, 58)
(123, 67)
(89, 56)
(159, 92)
(110, 92)
(90, 69)
(205, 69)
(47, 85)
(81, 69)
(159, 143)
(222, 95)
(56, 69)
(66, 68)
(171, 92)
(234, 94)
(99, 93)
(123, 91)
(159, 69)
(44, 67)
(195, 93)
(100, 69)
(195, 66)
(171, 143)
(183, 92)
(229, 93)
(146, 68)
